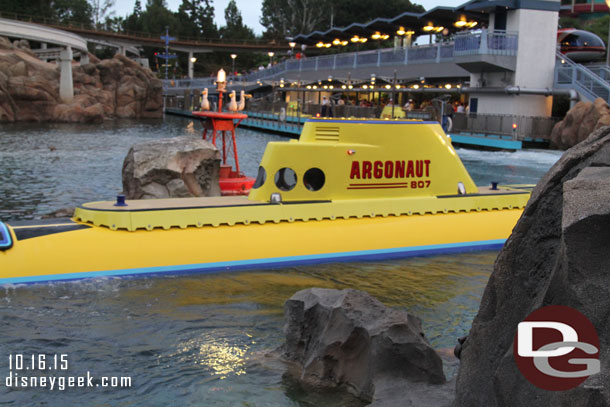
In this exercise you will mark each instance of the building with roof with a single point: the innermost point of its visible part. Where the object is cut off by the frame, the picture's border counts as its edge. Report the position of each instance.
(496, 44)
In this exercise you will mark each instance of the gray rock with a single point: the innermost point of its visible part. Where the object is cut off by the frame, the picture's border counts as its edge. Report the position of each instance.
(177, 188)
(579, 123)
(558, 254)
(393, 392)
(174, 167)
(154, 190)
(349, 340)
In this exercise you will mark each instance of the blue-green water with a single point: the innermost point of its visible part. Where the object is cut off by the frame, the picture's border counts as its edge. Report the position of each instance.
(197, 340)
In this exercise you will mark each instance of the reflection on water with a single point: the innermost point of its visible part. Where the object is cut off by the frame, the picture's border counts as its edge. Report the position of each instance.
(217, 355)
(198, 340)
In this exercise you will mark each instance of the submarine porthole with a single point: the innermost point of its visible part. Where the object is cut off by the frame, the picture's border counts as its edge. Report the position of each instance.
(314, 179)
(285, 179)
(261, 177)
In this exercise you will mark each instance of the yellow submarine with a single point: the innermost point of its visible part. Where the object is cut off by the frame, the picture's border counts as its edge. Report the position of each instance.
(348, 189)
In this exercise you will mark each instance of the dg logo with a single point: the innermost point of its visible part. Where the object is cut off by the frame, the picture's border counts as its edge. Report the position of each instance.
(556, 348)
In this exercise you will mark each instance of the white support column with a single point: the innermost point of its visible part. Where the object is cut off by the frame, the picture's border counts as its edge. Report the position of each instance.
(191, 65)
(84, 58)
(66, 86)
(483, 45)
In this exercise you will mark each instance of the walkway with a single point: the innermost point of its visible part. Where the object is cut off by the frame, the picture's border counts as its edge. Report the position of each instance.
(442, 60)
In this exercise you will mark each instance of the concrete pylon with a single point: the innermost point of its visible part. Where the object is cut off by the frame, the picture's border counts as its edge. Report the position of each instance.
(191, 66)
(66, 86)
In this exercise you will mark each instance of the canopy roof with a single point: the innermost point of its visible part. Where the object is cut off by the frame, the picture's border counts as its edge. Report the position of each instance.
(436, 20)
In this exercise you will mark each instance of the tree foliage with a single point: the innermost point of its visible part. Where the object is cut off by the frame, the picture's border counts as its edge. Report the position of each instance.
(284, 18)
(61, 10)
(102, 12)
(157, 17)
(133, 21)
(234, 25)
(197, 19)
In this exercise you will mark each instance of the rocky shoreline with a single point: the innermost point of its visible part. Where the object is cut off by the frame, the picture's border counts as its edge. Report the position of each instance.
(107, 89)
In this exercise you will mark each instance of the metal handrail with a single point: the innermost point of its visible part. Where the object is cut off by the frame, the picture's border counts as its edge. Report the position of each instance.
(570, 74)
(505, 126)
(603, 71)
(496, 43)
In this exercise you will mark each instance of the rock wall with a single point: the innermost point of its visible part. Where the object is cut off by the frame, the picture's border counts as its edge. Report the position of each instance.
(558, 254)
(348, 339)
(580, 121)
(176, 167)
(112, 88)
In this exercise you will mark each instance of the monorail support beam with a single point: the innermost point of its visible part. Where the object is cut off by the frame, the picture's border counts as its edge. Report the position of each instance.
(66, 86)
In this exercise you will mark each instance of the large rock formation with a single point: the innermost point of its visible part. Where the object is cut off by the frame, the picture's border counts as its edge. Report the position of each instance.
(112, 88)
(177, 167)
(580, 121)
(348, 339)
(558, 254)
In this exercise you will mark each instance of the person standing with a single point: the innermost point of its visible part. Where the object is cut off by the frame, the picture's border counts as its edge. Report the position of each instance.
(325, 107)
(409, 106)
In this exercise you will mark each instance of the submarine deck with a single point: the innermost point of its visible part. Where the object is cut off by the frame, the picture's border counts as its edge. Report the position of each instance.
(232, 201)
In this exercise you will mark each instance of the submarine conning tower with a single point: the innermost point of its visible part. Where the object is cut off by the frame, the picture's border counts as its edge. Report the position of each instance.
(345, 159)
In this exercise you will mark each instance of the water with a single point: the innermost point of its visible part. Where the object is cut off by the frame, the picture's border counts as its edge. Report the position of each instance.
(197, 340)
(52, 166)
(520, 167)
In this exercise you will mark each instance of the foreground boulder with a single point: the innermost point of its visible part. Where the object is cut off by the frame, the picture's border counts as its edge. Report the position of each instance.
(558, 254)
(580, 121)
(348, 339)
(112, 88)
(177, 167)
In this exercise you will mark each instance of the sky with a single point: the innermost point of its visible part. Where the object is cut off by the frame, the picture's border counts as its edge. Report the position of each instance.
(251, 9)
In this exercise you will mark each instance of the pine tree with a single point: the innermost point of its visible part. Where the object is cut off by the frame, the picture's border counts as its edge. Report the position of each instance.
(235, 27)
(77, 11)
(137, 8)
(101, 11)
(133, 22)
(205, 18)
(197, 19)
